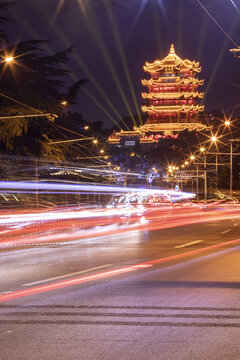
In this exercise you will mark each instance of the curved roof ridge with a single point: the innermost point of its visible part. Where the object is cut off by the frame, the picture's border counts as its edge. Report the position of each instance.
(172, 60)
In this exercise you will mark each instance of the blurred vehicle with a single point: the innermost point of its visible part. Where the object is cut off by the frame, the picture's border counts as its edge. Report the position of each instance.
(135, 199)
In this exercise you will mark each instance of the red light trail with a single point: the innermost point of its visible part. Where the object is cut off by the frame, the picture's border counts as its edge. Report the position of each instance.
(101, 222)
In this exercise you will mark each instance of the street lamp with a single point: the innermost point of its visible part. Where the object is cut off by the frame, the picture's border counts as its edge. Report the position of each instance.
(8, 59)
(95, 141)
(64, 103)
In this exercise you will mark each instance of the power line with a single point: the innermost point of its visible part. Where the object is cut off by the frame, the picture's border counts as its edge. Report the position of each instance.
(199, 2)
(235, 6)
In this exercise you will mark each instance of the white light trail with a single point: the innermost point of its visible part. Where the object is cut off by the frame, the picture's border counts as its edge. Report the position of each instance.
(94, 188)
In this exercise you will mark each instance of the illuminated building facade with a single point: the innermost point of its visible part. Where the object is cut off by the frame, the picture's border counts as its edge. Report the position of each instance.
(172, 100)
(172, 95)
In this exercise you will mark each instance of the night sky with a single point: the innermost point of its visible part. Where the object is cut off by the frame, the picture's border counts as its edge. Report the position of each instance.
(114, 38)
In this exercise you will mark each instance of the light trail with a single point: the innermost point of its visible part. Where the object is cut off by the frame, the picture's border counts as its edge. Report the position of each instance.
(99, 276)
(94, 188)
(67, 215)
(82, 228)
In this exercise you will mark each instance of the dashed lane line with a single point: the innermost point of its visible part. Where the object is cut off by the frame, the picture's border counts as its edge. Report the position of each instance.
(225, 231)
(67, 275)
(188, 244)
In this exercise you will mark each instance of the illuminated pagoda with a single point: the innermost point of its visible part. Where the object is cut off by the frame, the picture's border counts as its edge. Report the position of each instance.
(172, 95)
(171, 102)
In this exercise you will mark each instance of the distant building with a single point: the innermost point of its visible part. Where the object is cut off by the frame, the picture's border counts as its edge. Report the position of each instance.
(171, 102)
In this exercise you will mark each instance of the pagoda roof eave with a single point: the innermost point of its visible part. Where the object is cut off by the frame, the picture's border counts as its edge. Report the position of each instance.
(160, 67)
(128, 133)
(172, 61)
(113, 141)
(176, 95)
(159, 81)
(156, 128)
(172, 108)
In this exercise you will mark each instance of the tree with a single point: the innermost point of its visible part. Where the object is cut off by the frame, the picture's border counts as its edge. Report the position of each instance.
(33, 83)
(4, 6)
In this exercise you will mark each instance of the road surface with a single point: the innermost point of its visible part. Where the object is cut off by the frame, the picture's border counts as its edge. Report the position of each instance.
(168, 293)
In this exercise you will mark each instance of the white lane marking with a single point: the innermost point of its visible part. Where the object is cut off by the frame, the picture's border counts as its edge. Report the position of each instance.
(225, 231)
(67, 275)
(188, 244)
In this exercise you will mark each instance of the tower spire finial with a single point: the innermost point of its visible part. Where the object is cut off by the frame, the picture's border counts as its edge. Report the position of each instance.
(172, 50)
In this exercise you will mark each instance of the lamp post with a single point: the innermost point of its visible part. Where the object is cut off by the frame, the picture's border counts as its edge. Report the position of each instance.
(205, 176)
(230, 184)
(231, 164)
(197, 184)
(202, 150)
(214, 140)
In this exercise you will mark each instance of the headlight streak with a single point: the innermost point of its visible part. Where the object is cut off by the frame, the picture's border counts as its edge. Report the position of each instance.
(67, 215)
(94, 188)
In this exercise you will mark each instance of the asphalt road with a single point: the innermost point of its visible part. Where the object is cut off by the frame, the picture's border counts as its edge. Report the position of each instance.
(183, 308)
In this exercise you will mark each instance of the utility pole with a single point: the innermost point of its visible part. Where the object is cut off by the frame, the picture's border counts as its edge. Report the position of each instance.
(216, 171)
(197, 183)
(205, 176)
(231, 163)
(231, 171)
